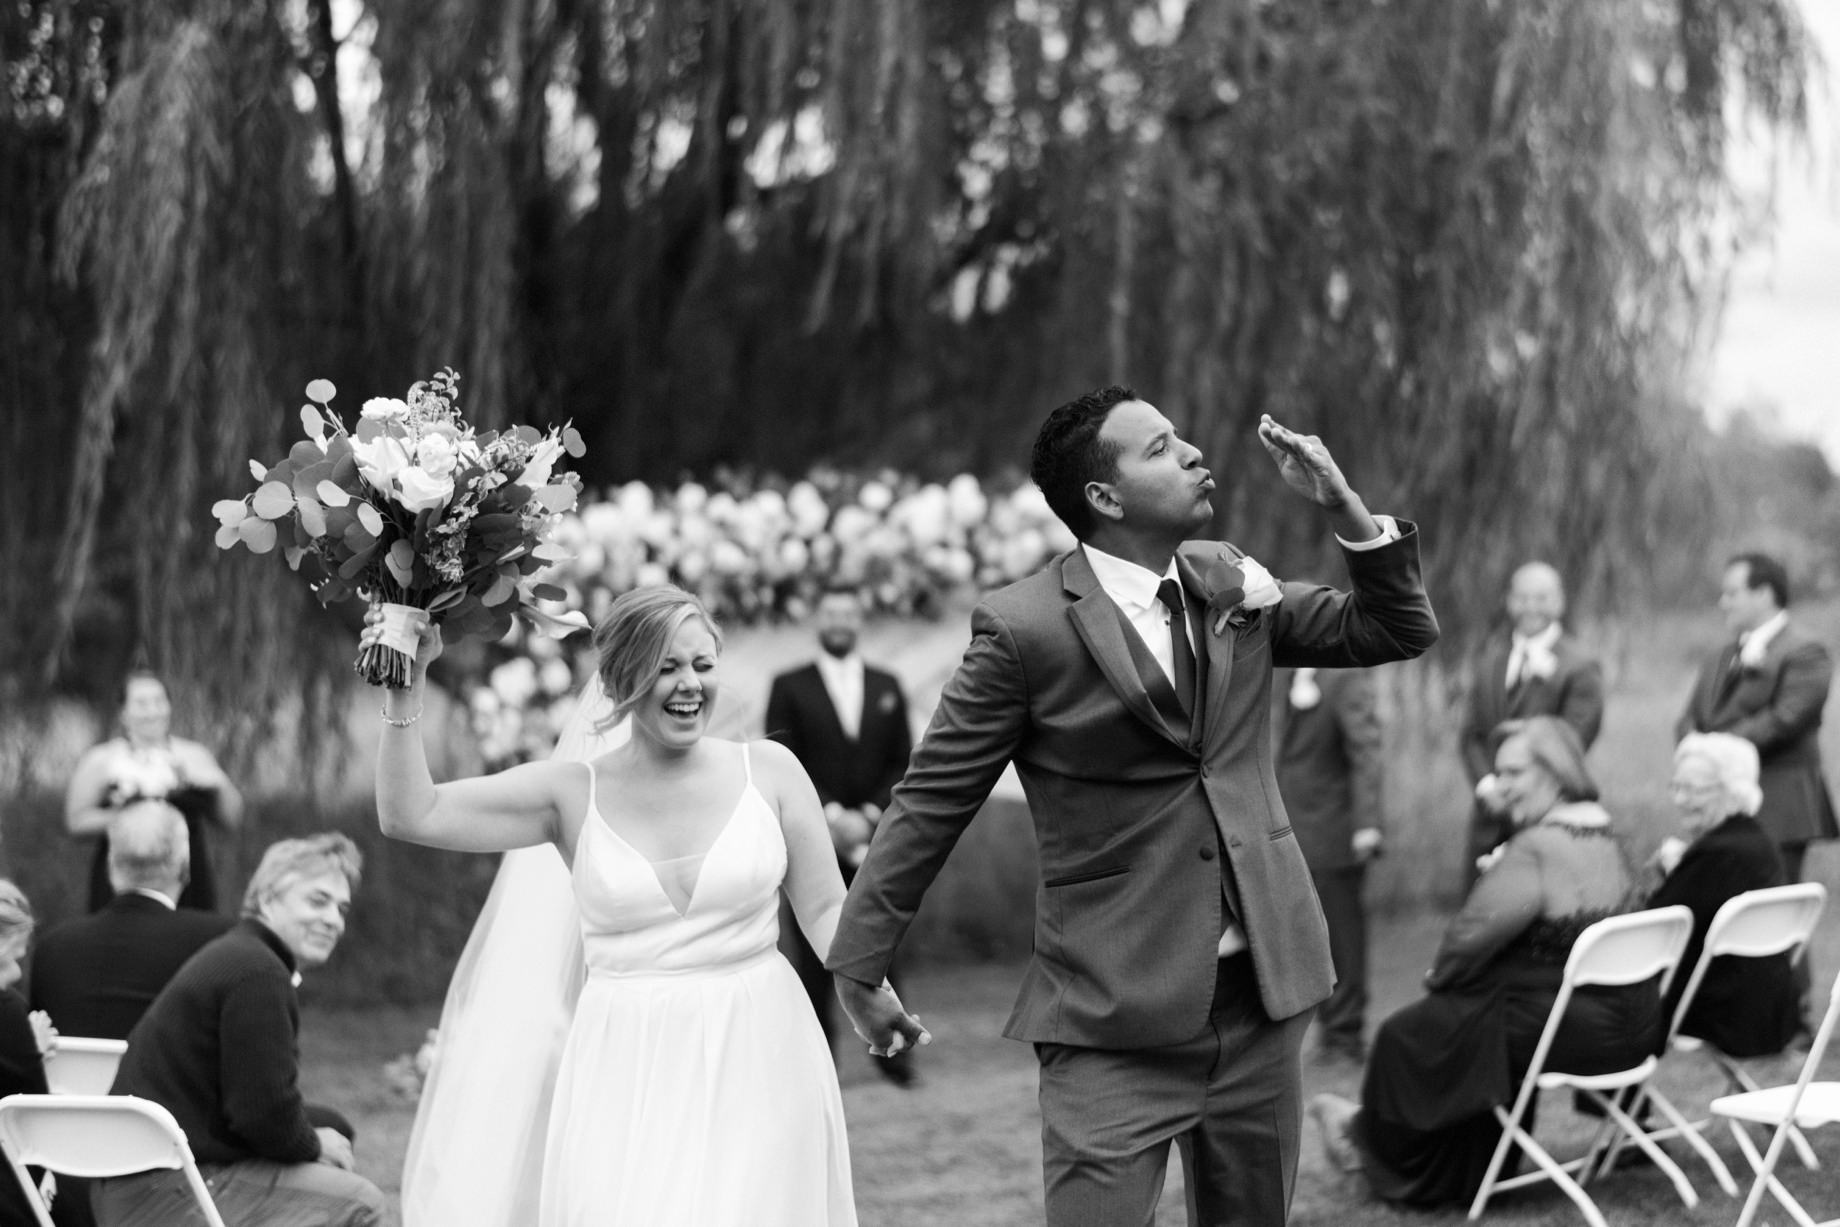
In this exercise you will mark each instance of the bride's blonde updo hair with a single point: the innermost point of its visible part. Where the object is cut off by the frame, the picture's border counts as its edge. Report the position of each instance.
(631, 642)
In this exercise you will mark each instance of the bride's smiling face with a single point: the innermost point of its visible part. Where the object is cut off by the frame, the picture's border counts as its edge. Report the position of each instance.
(683, 694)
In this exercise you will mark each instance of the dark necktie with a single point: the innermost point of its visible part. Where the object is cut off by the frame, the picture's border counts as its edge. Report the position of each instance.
(1169, 592)
(1728, 676)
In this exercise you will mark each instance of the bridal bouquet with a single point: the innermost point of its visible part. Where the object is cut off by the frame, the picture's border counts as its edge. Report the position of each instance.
(417, 513)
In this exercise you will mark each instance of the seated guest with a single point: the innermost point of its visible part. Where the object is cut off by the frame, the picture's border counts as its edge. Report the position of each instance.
(1744, 1007)
(1425, 1129)
(22, 1042)
(219, 1048)
(96, 975)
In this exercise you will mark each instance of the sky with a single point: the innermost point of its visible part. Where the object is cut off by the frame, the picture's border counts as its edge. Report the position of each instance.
(1780, 343)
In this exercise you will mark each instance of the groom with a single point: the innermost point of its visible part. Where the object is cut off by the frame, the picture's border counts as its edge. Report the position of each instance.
(1178, 943)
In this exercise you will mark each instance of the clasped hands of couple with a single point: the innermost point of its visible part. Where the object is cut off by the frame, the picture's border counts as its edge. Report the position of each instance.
(1304, 462)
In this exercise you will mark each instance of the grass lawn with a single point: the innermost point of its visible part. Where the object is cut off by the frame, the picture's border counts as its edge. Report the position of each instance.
(963, 1147)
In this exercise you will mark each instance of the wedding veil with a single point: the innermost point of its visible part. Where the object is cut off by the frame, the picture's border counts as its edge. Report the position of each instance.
(475, 1155)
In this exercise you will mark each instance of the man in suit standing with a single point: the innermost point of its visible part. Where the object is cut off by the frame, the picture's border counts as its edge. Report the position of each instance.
(1768, 685)
(1537, 670)
(846, 722)
(1178, 949)
(96, 975)
(1330, 773)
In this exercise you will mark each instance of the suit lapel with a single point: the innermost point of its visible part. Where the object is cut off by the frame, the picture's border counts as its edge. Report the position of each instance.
(1097, 621)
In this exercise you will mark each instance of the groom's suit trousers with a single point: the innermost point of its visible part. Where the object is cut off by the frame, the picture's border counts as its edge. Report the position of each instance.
(1229, 1097)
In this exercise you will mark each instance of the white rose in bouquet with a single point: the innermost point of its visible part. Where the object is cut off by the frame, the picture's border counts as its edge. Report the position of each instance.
(437, 455)
(380, 460)
(384, 409)
(691, 496)
(421, 490)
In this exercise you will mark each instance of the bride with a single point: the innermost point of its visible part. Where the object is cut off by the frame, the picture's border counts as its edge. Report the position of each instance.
(694, 1085)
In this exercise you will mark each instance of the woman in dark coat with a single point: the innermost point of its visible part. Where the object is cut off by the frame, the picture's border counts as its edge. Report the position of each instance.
(1745, 1007)
(1425, 1129)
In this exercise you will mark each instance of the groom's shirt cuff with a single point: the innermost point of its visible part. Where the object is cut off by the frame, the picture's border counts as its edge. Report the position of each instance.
(1389, 533)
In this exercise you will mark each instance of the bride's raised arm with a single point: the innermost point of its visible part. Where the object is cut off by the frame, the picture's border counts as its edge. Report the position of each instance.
(515, 808)
(814, 886)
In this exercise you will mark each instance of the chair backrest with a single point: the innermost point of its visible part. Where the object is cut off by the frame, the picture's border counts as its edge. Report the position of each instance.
(1754, 924)
(82, 1066)
(95, 1136)
(1626, 949)
(92, 1135)
(1629, 949)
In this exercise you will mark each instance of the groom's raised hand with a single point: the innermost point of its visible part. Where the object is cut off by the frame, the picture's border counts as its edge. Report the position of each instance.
(879, 1018)
(1308, 468)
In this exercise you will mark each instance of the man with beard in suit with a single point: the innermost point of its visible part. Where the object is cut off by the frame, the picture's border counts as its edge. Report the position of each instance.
(1178, 951)
(846, 722)
(1537, 670)
(1768, 684)
(1330, 772)
(96, 975)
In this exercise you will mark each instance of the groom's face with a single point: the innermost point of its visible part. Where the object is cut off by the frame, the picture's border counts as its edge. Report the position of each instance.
(1159, 483)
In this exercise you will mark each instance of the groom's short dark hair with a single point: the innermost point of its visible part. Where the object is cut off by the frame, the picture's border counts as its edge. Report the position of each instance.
(1069, 453)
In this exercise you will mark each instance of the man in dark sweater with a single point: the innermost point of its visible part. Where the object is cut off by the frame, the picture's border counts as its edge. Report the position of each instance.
(219, 1049)
(96, 975)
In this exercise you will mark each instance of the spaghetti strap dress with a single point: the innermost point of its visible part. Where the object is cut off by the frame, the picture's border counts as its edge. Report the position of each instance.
(696, 1088)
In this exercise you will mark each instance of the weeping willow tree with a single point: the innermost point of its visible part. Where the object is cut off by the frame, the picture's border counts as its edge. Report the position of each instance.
(1472, 244)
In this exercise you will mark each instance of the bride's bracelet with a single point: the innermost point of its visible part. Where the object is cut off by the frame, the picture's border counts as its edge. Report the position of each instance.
(394, 723)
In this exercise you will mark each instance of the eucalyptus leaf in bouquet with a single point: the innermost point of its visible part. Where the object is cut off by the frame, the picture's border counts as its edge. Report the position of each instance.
(418, 514)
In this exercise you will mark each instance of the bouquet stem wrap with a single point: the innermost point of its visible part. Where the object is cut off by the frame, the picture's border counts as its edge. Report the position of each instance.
(387, 660)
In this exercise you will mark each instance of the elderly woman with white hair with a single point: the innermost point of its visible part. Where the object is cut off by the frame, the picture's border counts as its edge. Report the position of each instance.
(1745, 1007)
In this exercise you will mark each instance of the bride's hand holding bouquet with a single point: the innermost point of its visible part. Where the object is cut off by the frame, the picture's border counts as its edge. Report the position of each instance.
(419, 515)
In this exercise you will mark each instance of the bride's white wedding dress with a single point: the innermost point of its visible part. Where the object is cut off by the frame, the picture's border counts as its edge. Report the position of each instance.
(696, 1087)
(483, 1144)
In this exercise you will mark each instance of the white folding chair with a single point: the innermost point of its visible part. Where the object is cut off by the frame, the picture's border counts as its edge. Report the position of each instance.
(78, 1065)
(1764, 923)
(1805, 1104)
(1623, 950)
(95, 1136)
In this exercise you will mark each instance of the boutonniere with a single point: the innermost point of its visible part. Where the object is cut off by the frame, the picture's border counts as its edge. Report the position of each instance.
(1240, 590)
(1541, 663)
(887, 702)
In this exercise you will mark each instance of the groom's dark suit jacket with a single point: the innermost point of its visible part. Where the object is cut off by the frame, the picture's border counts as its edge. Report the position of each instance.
(1128, 913)
(1775, 705)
